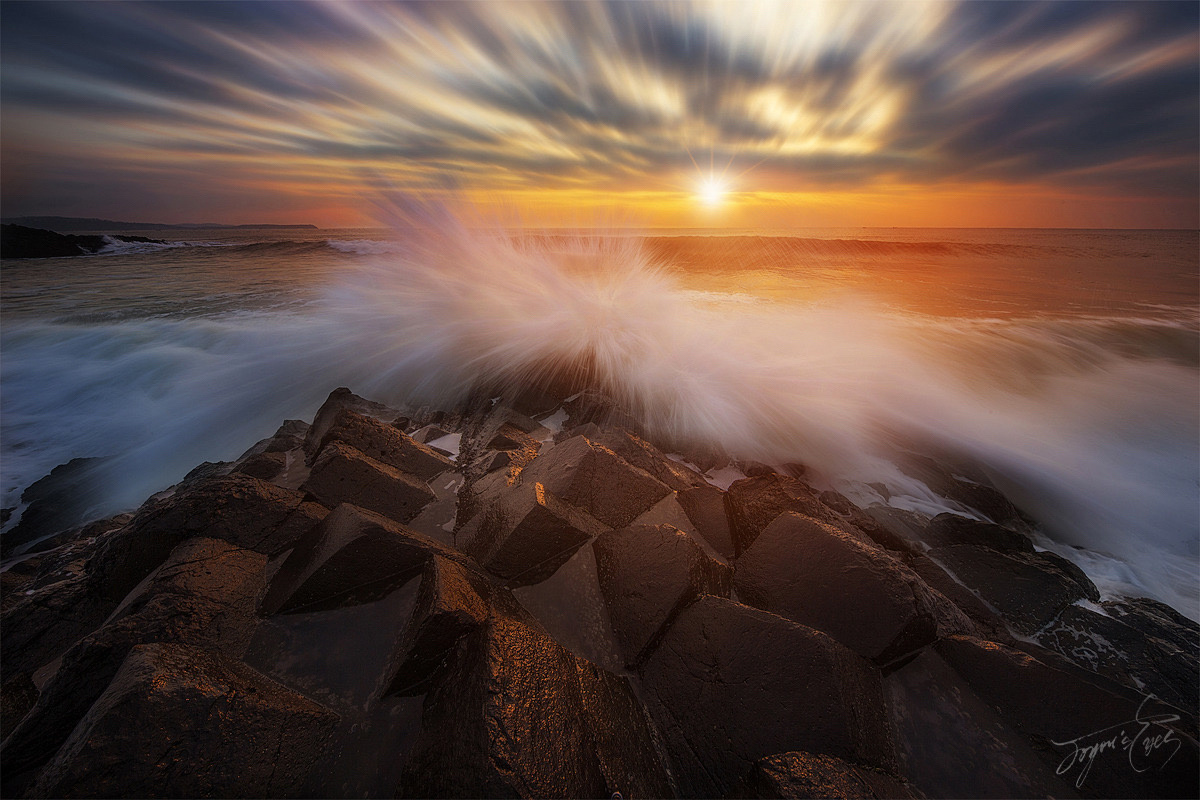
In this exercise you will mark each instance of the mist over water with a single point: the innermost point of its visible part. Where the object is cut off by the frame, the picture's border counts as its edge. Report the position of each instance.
(833, 352)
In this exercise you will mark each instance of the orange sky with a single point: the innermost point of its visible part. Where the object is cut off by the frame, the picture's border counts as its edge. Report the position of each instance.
(923, 113)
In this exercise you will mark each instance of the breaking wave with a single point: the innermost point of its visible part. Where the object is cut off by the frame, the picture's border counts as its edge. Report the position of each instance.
(1090, 425)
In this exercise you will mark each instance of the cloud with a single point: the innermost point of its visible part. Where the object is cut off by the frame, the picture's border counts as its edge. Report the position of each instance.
(616, 94)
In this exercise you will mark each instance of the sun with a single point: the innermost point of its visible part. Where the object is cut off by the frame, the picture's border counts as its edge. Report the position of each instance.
(711, 191)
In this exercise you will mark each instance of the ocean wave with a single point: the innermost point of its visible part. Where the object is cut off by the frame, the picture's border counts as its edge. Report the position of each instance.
(1090, 425)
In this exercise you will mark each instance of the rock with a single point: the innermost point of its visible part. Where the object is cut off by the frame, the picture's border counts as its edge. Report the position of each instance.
(264, 466)
(341, 399)
(513, 714)
(592, 406)
(1130, 651)
(705, 507)
(429, 433)
(451, 602)
(895, 528)
(1153, 751)
(596, 480)
(951, 743)
(342, 474)
(83, 534)
(203, 594)
(754, 503)
(384, 444)
(819, 576)
(17, 696)
(648, 574)
(987, 621)
(510, 437)
(59, 501)
(1028, 589)
(951, 529)
(570, 607)
(18, 241)
(972, 493)
(354, 556)
(529, 533)
(729, 685)
(288, 436)
(179, 721)
(801, 775)
(646, 456)
(244, 511)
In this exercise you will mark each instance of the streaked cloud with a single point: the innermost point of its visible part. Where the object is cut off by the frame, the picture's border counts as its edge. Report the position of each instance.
(232, 98)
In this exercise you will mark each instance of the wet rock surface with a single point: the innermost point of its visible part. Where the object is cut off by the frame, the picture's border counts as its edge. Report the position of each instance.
(546, 604)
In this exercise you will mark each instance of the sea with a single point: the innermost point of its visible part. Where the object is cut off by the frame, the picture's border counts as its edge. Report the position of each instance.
(1064, 365)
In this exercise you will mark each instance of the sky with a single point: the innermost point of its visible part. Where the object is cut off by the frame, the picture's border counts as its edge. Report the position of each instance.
(723, 114)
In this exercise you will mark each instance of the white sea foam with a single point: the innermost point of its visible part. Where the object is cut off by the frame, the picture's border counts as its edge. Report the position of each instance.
(1096, 439)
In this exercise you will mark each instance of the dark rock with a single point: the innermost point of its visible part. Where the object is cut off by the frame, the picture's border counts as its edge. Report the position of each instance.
(341, 399)
(204, 594)
(837, 501)
(384, 444)
(756, 469)
(18, 241)
(510, 437)
(244, 511)
(1028, 589)
(646, 456)
(498, 460)
(40, 627)
(803, 775)
(591, 406)
(513, 714)
(648, 574)
(822, 577)
(596, 480)
(570, 607)
(288, 436)
(529, 533)
(729, 685)
(1153, 751)
(353, 556)
(204, 471)
(705, 507)
(1158, 620)
(754, 503)
(182, 722)
(342, 474)
(452, 601)
(264, 466)
(951, 743)
(1129, 651)
(17, 696)
(970, 492)
(429, 433)
(59, 501)
(986, 620)
(896, 528)
(93, 530)
(951, 529)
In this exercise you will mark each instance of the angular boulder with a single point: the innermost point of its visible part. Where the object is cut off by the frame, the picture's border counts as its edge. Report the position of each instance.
(342, 474)
(705, 507)
(514, 714)
(341, 399)
(596, 480)
(384, 444)
(803, 775)
(645, 456)
(729, 685)
(952, 529)
(648, 574)
(204, 594)
(180, 721)
(1151, 750)
(354, 556)
(754, 503)
(822, 577)
(1028, 589)
(244, 511)
(529, 533)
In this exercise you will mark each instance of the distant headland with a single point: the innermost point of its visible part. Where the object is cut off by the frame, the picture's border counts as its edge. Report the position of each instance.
(60, 224)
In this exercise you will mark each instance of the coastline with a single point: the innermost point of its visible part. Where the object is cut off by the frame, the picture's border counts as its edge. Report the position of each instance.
(525, 595)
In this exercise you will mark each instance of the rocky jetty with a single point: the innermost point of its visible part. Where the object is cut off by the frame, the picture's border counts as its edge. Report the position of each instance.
(526, 597)
(18, 241)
